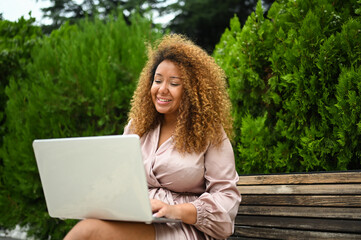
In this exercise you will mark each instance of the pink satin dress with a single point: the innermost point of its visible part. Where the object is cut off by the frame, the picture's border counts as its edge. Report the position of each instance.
(207, 180)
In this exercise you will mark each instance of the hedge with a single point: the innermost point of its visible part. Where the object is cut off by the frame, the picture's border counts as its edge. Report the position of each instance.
(294, 82)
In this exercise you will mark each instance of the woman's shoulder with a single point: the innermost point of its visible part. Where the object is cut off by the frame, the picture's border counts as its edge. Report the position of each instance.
(127, 128)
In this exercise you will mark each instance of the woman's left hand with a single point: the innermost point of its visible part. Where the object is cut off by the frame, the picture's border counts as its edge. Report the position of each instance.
(185, 212)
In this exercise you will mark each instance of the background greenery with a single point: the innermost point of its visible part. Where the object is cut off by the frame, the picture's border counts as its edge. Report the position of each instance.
(295, 85)
(16, 42)
(294, 80)
(203, 21)
(79, 83)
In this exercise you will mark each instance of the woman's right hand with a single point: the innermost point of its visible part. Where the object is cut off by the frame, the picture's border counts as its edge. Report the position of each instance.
(186, 212)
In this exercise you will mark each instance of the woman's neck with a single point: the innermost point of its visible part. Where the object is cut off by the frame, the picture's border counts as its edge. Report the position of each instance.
(167, 129)
(169, 121)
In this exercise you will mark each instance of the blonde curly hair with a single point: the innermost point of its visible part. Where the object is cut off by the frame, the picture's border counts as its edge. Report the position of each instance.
(205, 109)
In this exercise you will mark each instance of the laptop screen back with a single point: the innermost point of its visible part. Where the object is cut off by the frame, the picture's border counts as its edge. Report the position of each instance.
(94, 177)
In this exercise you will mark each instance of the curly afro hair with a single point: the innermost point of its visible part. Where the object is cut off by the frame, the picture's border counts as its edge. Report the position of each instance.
(205, 110)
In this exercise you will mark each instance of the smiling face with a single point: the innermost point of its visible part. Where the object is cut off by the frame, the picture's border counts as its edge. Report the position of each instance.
(167, 89)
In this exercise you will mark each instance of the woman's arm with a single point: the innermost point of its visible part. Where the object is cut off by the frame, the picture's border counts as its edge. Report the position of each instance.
(217, 207)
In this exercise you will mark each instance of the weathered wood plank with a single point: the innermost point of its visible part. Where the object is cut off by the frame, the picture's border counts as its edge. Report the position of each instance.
(300, 206)
(303, 200)
(243, 238)
(274, 233)
(290, 211)
(302, 189)
(302, 178)
(317, 224)
(239, 238)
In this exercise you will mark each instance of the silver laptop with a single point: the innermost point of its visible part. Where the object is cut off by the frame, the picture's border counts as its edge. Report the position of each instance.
(94, 177)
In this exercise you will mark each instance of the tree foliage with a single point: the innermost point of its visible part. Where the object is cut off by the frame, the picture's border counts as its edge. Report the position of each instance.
(202, 20)
(16, 42)
(205, 20)
(294, 82)
(17, 39)
(79, 84)
(72, 11)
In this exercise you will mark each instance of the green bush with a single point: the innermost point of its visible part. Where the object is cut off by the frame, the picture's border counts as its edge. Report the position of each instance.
(17, 39)
(16, 42)
(294, 81)
(79, 84)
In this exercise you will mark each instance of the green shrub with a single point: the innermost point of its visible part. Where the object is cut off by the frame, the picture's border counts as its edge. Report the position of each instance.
(294, 83)
(16, 42)
(79, 84)
(17, 39)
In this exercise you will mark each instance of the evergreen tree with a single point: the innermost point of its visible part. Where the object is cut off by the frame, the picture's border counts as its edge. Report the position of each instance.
(79, 84)
(205, 20)
(16, 42)
(202, 20)
(72, 11)
(17, 39)
(294, 83)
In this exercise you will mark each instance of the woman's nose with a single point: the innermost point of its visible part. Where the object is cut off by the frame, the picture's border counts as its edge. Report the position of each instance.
(163, 87)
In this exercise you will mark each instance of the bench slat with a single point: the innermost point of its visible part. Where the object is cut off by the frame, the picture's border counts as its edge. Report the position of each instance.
(302, 189)
(303, 200)
(318, 224)
(302, 178)
(274, 233)
(316, 212)
(242, 238)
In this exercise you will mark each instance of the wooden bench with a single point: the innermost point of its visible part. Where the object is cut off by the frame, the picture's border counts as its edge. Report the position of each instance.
(323, 205)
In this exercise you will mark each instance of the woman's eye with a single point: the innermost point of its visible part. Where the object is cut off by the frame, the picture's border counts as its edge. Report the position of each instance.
(157, 81)
(175, 84)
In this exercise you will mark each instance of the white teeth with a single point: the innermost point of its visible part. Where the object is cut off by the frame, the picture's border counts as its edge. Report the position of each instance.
(163, 100)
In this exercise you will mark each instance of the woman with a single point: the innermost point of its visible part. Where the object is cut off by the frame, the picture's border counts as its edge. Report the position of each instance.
(181, 111)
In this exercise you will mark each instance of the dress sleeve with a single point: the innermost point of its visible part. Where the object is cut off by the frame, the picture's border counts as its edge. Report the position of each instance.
(217, 207)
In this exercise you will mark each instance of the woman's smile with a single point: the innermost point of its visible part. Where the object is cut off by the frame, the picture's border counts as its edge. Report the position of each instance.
(167, 88)
(163, 100)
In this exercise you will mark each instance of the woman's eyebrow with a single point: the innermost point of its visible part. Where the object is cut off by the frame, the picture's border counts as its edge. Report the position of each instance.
(158, 74)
